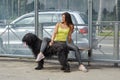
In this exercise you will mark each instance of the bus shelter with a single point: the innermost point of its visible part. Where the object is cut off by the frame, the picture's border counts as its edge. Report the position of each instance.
(103, 24)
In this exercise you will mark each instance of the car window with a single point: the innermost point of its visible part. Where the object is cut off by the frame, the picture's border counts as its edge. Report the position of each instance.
(84, 17)
(26, 20)
(47, 18)
(55, 18)
(74, 19)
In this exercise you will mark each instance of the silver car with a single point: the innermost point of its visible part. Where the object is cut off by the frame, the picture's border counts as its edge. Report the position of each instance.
(13, 33)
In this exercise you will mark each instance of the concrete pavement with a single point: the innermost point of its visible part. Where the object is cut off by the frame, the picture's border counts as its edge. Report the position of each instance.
(23, 69)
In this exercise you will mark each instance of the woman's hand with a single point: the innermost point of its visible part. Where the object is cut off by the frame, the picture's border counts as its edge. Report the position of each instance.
(54, 34)
(69, 39)
(51, 43)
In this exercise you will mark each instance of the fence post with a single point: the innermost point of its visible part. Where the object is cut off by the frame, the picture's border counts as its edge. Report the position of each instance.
(116, 43)
(36, 16)
(90, 24)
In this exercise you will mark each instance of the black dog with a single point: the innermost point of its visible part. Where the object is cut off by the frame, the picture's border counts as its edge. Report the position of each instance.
(58, 48)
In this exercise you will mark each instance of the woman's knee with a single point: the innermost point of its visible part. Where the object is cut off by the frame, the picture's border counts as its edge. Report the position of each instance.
(75, 48)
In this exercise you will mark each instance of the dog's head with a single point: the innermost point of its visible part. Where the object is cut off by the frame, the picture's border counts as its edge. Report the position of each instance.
(30, 39)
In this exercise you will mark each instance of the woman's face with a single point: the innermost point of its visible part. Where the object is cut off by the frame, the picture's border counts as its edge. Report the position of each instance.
(63, 18)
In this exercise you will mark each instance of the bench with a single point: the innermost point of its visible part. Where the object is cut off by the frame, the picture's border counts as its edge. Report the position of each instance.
(89, 54)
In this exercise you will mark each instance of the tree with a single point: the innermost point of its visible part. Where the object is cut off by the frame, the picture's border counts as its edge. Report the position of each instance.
(118, 4)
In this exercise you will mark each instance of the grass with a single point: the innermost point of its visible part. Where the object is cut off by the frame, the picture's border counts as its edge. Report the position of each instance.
(107, 33)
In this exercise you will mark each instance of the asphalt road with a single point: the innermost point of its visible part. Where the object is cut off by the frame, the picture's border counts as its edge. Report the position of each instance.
(23, 69)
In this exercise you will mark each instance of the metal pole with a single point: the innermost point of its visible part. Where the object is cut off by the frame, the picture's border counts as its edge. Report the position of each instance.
(36, 16)
(90, 29)
(116, 43)
(38, 27)
(116, 37)
(90, 23)
(18, 7)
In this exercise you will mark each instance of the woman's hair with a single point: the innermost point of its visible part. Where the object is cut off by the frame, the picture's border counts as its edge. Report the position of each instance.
(68, 18)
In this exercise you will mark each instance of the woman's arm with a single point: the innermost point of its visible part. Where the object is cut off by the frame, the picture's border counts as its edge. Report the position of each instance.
(54, 34)
(70, 33)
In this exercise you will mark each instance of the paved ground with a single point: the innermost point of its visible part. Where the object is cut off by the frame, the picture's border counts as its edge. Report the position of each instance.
(23, 69)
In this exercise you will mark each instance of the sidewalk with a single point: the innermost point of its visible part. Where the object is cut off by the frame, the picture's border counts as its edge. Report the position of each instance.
(23, 69)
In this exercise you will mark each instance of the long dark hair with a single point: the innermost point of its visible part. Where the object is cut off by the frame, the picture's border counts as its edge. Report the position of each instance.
(68, 18)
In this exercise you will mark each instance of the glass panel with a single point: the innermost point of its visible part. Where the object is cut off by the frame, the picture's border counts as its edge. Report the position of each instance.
(46, 18)
(84, 17)
(26, 20)
(104, 10)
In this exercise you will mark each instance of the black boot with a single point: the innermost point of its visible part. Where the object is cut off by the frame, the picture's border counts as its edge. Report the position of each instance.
(40, 65)
(66, 68)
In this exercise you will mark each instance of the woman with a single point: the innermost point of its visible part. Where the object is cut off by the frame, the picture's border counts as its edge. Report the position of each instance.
(73, 47)
(62, 32)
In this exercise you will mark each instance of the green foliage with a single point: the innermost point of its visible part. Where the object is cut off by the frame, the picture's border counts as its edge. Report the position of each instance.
(107, 33)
